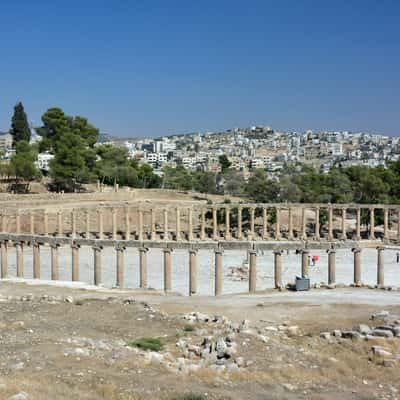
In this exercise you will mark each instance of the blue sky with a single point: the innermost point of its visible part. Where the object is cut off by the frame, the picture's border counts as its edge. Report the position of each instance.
(147, 68)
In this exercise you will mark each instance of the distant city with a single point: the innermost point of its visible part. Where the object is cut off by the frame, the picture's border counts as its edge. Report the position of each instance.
(256, 147)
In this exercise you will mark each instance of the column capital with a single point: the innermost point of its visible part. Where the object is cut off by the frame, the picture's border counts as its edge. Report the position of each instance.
(331, 251)
(356, 250)
(16, 244)
(75, 245)
(167, 250)
(143, 249)
(278, 252)
(193, 250)
(120, 247)
(380, 248)
(97, 247)
(54, 245)
(305, 251)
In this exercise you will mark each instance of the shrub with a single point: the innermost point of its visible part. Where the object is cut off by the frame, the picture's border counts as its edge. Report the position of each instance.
(153, 344)
(191, 396)
(188, 328)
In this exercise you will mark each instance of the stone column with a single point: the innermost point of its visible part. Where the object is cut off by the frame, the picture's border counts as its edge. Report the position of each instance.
(45, 223)
(380, 267)
(17, 222)
(178, 224)
(140, 233)
(114, 223)
(190, 223)
(153, 235)
(54, 262)
(253, 271)
(127, 224)
(290, 224)
(331, 266)
(36, 260)
(265, 223)
(143, 267)
(252, 230)
(167, 269)
(203, 224)
(19, 252)
(87, 224)
(73, 224)
(100, 223)
(386, 223)
(398, 224)
(330, 223)
(317, 225)
(240, 228)
(4, 259)
(2, 222)
(32, 222)
(357, 266)
(372, 223)
(227, 223)
(215, 224)
(59, 223)
(218, 272)
(304, 263)
(97, 265)
(303, 223)
(75, 262)
(166, 235)
(278, 269)
(358, 224)
(119, 251)
(278, 224)
(343, 236)
(192, 272)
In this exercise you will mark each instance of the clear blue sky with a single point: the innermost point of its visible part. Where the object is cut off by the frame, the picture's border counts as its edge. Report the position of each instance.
(147, 68)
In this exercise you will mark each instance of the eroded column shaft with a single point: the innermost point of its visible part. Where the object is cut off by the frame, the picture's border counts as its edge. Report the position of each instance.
(381, 266)
(218, 272)
(278, 269)
(253, 271)
(143, 267)
(167, 270)
(331, 267)
(192, 272)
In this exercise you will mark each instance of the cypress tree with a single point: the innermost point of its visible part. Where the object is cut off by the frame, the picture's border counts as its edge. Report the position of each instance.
(19, 125)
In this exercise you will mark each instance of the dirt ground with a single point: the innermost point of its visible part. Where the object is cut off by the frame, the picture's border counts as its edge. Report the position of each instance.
(63, 343)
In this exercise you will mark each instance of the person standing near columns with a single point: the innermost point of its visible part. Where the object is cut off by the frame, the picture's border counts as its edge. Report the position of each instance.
(167, 269)
(380, 267)
(278, 269)
(218, 271)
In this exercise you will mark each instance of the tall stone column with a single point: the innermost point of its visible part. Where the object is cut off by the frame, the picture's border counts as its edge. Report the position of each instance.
(331, 266)
(218, 272)
(153, 234)
(358, 223)
(240, 223)
(215, 224)
(100, 223)
(304, 263)
(344, 235)
(2, 222)
(303, 223)
(190, 223)
(380, 267)
(252, 235)
(54, 262)
(60, 230)
(75, 262)
(203, 224)
(45, 223)
(278, 224)
(398, 224)
(36, 260)
(114, 223)
(18, 222)
(140, 233)
(278, 269)
(97, 265)
(178, 224)
(119, 251)
(167, 269)
(372, 223)
(73, 224)
(166, 235)
(265, 223)
(32, 222)
(386, 223)
(290, 224)
(227, 223)
(143, 267)
(127, 224)
(4, 259)
(87, 224)
(357, 266)
(253, 271)
(317, 225)
(330, 223)
(192, 272)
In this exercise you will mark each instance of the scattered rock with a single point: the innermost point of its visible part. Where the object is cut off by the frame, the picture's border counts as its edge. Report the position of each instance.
(19, 396)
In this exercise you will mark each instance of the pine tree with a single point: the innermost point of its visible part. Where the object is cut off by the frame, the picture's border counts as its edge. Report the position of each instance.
(19, 125)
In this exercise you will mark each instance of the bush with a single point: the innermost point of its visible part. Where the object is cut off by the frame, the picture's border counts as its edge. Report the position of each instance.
(153, 344)
(191, 396)
(188, 328)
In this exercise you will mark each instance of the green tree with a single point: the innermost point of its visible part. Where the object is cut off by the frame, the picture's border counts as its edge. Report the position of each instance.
(224, 163)
(177, 178)
(205, 182)
(19, 125)
(22, 164)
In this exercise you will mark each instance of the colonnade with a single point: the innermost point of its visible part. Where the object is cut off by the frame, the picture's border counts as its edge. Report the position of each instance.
(166, 273)
(240, 222)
